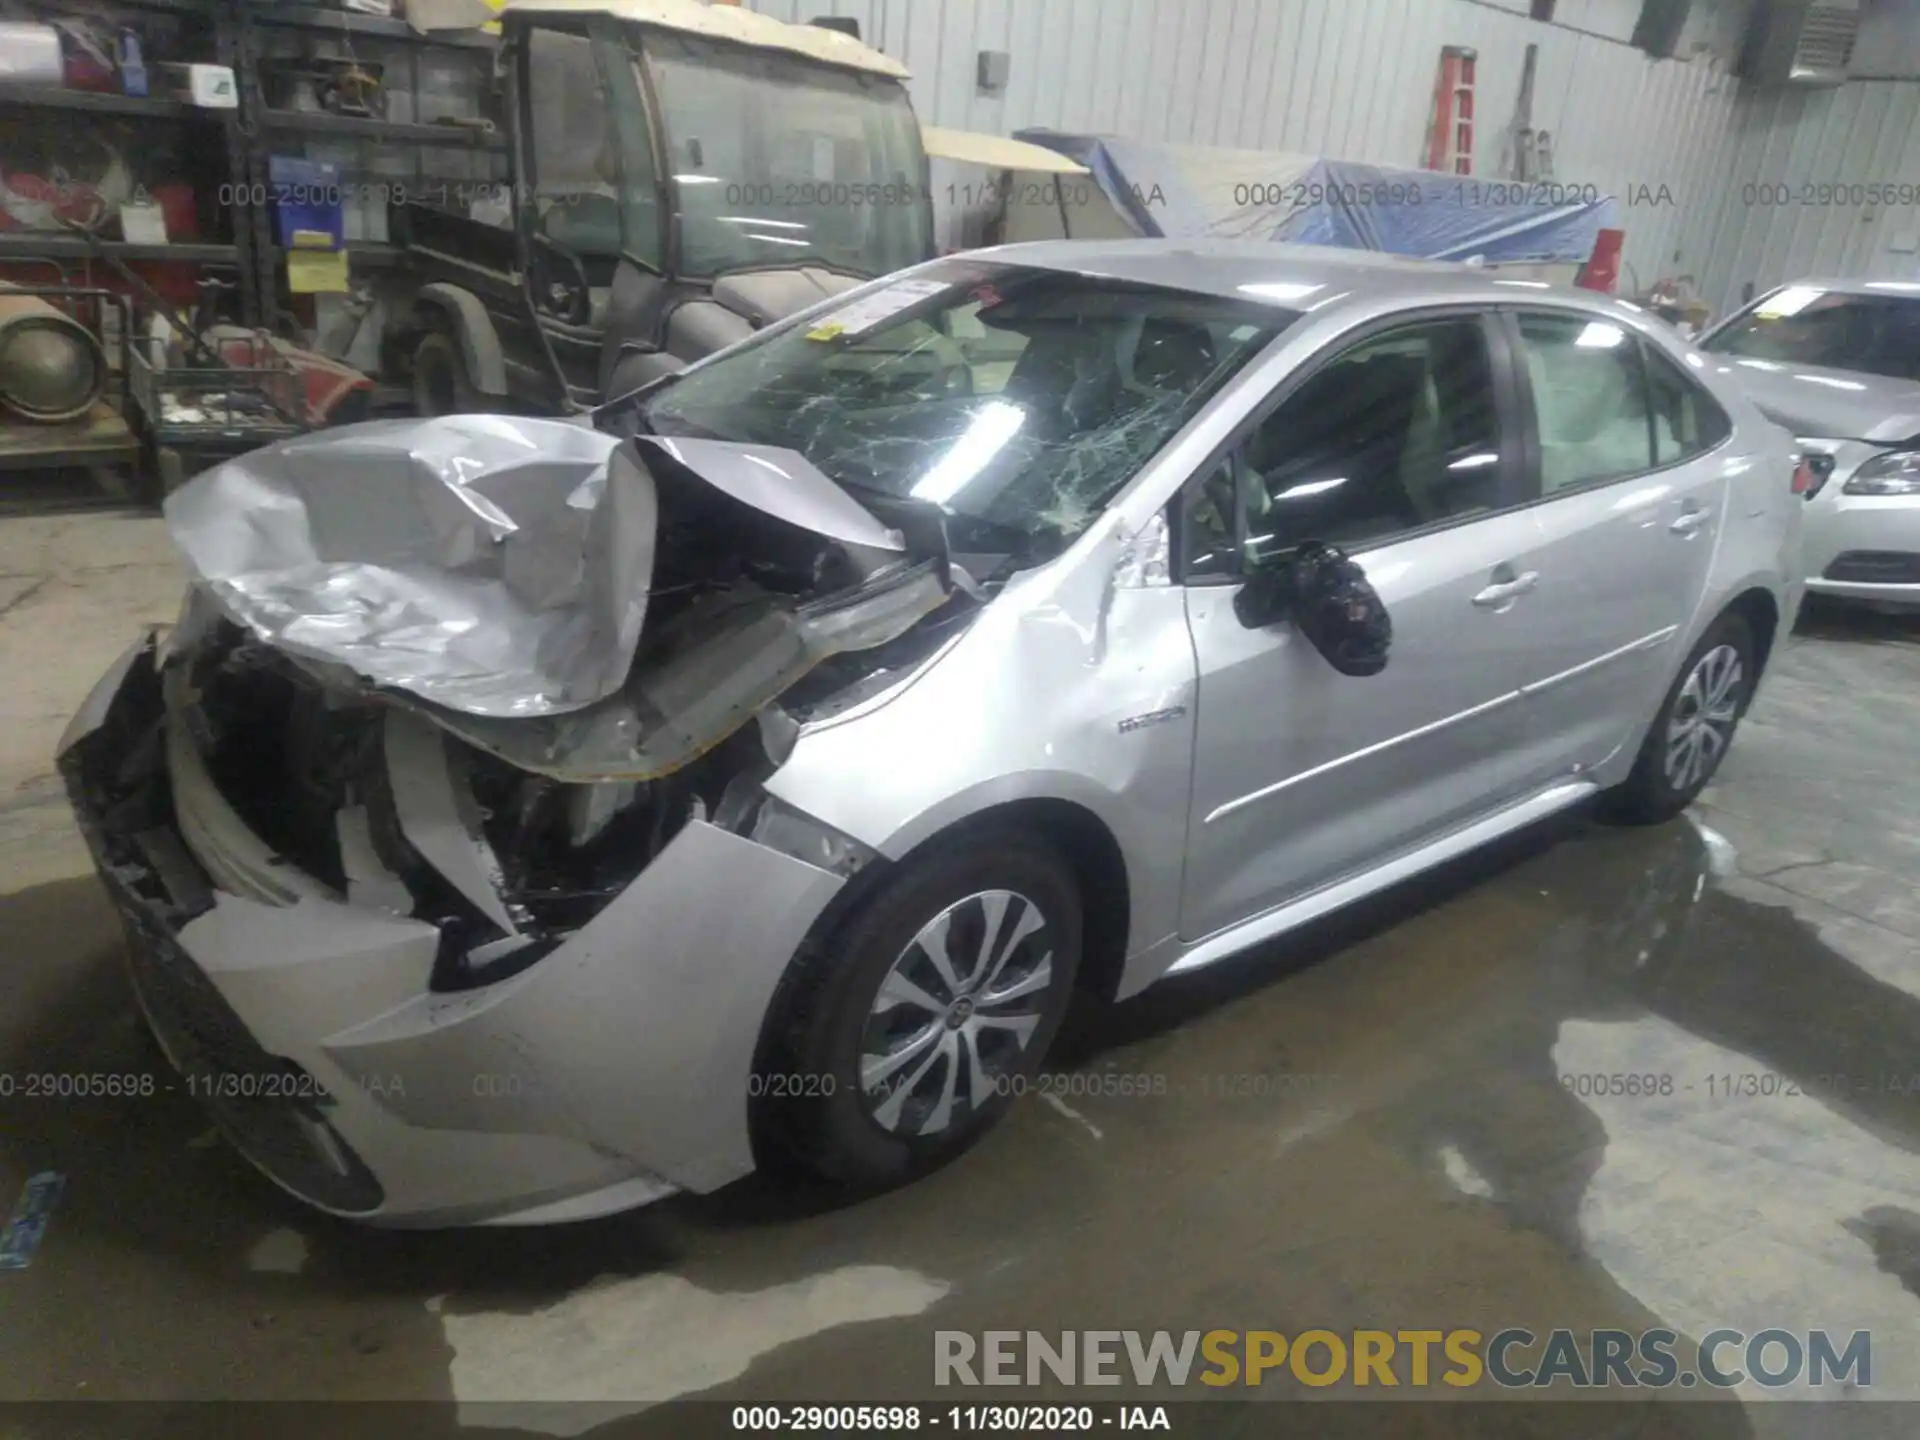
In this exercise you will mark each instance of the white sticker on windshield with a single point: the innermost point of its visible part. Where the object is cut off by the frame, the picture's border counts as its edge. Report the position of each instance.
(871, 311)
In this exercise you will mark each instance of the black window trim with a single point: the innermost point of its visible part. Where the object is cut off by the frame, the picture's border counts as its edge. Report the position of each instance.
(1509, 316)
(1509, 415)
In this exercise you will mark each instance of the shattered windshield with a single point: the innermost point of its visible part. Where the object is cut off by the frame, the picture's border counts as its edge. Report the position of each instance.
(1018, 400)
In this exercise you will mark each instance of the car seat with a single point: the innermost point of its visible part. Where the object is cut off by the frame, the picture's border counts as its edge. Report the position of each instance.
(1593, 421)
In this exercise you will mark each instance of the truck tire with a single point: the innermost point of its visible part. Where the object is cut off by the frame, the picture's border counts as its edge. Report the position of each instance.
(441, 385)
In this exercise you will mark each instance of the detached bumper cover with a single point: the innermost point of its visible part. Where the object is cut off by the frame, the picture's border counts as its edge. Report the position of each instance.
(613, 1071)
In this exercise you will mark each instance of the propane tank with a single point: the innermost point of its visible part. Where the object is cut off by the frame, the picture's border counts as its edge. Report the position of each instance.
(51, 366)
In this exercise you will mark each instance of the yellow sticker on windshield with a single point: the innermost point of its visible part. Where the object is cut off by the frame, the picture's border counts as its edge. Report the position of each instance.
(832, 330)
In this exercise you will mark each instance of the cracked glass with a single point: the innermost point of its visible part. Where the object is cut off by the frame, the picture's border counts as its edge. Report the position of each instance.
(1018, 400)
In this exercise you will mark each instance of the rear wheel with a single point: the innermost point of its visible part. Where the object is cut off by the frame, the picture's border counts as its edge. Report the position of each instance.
(441, 385)
(1695, 726)
(925, 1013)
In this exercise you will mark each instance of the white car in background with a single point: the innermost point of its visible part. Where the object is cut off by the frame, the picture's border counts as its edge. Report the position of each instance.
(1838, 363)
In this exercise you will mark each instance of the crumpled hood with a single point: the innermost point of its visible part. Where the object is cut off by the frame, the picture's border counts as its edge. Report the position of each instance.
(497, 567)
(485, 563)
(1819, 403)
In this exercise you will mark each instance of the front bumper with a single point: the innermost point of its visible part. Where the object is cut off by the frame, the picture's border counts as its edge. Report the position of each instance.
(613, 1071)
(1863, 547)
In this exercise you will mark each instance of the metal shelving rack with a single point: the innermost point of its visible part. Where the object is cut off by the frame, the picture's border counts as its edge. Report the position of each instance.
(382, 27)
(252, 20)
(54, 97)
(355, 127)
(248, 134)
(112, 434)
(260, 254)
(256, 300)
(18, 246)
(37, 245)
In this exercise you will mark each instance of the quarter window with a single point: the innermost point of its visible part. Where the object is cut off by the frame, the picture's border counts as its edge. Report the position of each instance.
(585, 149)
(1686, 420)
(1590, 398)
(1396, 434)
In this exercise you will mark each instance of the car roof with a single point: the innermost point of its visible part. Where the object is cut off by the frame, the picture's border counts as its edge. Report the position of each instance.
(1295, 277)
(727, 22)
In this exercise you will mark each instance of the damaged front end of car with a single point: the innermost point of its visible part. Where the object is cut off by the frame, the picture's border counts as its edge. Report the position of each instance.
(450, 699)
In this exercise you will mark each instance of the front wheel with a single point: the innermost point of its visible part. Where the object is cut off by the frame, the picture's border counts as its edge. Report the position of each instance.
(926, 1011)
(1694, 729)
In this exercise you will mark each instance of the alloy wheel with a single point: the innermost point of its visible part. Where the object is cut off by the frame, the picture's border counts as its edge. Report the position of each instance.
(1704, 715)
(955, 1013)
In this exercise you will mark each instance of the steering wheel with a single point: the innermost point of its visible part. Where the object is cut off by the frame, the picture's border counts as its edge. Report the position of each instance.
(560, 285)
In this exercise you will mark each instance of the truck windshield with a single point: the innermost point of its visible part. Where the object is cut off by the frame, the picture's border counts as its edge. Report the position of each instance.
(1016, 399)
(778, 161)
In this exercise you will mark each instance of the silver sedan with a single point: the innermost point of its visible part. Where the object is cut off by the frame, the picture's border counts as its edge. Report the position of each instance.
(1838, 362)
(529, 819)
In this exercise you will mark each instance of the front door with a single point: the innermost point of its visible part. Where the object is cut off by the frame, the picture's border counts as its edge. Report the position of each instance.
(1400, 449)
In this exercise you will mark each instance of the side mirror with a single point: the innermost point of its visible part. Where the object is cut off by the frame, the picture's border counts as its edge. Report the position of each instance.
(1330, 601)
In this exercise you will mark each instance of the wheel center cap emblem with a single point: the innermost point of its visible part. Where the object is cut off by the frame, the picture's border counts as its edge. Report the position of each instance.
(961, 1012)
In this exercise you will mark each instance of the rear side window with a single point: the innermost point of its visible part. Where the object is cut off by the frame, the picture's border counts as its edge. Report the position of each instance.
(1590, 400)
(1687, 421)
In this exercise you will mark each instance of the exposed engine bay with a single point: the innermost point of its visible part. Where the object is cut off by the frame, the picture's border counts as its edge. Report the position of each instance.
(343, 705)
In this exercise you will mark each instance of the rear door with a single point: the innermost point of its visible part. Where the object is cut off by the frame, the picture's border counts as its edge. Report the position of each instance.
(1628, 460)
(1402, 447)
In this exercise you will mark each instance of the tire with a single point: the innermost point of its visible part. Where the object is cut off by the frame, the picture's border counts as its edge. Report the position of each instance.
(170, 468)
(1657, 790)
(441, 385)
(828, 1020)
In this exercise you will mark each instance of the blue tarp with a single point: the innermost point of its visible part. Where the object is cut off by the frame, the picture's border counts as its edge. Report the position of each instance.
(1189, 192)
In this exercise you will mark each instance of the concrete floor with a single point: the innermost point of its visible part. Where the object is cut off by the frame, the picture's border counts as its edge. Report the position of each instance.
(1437, 1174)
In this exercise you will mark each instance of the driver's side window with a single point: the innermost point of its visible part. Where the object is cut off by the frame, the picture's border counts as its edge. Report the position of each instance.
(1398, 432)
(579, 161)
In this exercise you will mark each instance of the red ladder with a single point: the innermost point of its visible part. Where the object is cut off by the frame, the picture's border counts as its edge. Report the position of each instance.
(1450, 133)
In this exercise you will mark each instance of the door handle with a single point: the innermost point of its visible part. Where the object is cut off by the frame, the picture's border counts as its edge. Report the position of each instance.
(1505, 592)
(1691, 522)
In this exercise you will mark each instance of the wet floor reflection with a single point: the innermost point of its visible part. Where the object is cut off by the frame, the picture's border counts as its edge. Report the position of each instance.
(1372, 1124)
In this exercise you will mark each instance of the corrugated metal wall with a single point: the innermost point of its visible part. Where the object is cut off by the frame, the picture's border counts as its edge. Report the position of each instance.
(1789, 206)
(1352, 79)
